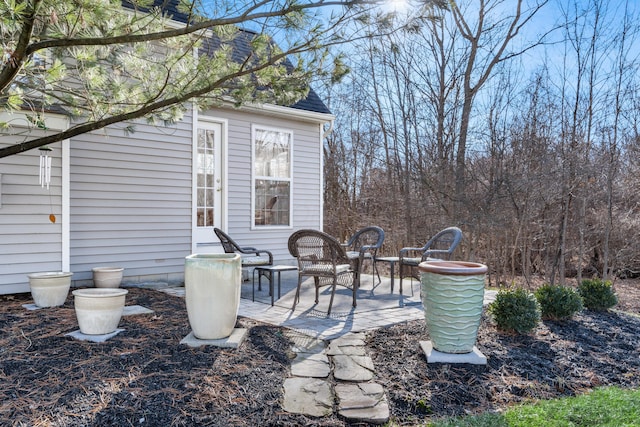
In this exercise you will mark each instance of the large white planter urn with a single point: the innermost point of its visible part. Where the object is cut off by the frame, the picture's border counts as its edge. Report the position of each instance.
(99, 309)
(107, 277)
(50, 289)
(212, 293)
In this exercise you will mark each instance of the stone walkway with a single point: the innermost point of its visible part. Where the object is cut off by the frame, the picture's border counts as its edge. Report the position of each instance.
(340, 373)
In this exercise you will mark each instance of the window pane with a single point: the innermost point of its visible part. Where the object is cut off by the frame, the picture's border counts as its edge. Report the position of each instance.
(272, 202)
(272, 153)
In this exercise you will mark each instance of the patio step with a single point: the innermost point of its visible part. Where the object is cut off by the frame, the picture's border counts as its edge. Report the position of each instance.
(309, 390)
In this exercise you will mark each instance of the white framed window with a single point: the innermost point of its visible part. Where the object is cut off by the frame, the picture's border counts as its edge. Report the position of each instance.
(272, 176)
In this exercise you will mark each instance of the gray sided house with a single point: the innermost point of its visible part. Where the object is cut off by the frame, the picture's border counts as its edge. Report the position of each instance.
(146, 200)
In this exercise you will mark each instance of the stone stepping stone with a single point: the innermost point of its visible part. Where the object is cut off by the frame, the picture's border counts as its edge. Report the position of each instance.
(308, 396)
(315, 365)
(347, 343)
(352, 367)
(304, 343)
(335, 349)
(363, 402)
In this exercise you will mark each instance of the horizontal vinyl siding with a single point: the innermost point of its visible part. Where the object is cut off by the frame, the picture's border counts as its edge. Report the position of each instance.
(29, 242)
(131, 200)
(307, 178)
(306, 181)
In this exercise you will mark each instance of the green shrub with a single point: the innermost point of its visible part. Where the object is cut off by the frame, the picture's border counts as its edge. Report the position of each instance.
(597, 294)
(558, 302)
(515, 310)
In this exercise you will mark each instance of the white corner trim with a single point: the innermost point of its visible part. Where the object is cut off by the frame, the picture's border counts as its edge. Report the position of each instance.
(321, 136)
(66, 207)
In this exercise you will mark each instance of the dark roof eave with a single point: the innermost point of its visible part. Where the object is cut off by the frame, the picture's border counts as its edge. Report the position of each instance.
(311, 103)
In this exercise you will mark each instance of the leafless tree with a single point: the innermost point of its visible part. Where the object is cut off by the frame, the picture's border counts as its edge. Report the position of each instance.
(551, 187)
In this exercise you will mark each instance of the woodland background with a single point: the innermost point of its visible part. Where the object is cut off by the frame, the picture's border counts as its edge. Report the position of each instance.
(521, 128)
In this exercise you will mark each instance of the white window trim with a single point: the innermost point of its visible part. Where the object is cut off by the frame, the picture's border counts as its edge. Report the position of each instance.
(252, 214)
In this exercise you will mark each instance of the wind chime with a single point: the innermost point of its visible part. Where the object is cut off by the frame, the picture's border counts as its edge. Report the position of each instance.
(45, 167)
(45, 175)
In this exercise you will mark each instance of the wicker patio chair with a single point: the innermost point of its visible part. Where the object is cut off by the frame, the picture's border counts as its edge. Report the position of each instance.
(320, 255)
(363, 246)
(440, 246)
(251, 257)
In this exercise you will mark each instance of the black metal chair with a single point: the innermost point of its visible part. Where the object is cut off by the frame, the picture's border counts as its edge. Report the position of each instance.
(258, 257)
(320, 255)
(251, 257)
(363, 246)
(440, 246)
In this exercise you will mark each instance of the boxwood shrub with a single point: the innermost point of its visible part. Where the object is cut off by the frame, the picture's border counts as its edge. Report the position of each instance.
(558, 302)
(597, 294)
(515, 310)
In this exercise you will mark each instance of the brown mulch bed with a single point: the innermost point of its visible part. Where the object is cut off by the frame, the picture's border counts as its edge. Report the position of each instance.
(143, 376)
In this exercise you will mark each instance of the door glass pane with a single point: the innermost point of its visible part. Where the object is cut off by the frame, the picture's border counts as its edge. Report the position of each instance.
(200, 217)
(206, 178)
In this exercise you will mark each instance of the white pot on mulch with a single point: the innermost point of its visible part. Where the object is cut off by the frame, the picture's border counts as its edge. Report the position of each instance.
(107, 277)
(212, 293)
(50, 289)
(99, 309)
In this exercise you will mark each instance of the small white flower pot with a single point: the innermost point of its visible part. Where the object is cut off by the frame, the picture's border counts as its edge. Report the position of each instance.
(107, 277)
(50, 289)
(99, 309)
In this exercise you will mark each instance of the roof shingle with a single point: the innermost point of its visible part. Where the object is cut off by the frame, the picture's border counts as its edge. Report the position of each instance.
(311, 103)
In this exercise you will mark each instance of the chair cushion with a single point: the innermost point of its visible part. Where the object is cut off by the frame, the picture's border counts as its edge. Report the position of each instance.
(411, 261)
(354, 254)
(324, 269)
(248, 261)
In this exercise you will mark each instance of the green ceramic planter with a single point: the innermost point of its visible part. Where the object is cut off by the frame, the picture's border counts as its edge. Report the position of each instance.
(452, 295)
(212, 293)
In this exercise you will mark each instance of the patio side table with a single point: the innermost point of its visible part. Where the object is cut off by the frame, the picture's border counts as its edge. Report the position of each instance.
(392, 260)
(269, 270)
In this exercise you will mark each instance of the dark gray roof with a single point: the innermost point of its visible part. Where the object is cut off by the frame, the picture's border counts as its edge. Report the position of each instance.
(241, 47)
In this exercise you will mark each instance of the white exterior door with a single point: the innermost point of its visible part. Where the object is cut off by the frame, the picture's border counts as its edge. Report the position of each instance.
(209, 186)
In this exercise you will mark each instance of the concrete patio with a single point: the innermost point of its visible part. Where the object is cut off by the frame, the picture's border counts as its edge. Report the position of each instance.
(376, 307)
